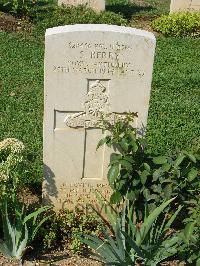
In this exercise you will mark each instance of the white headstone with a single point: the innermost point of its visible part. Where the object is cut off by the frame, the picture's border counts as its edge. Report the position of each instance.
(97, 5)
(184, 5)
(89, 70)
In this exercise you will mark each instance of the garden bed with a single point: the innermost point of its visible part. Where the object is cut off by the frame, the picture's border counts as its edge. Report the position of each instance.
(173, 122)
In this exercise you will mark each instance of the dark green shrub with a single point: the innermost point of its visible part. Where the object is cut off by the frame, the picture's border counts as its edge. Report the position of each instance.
(62, 228)
(135, 242)
(74, 15)
(178, 24)
(145, 179)
(190, 238)
(17, 7)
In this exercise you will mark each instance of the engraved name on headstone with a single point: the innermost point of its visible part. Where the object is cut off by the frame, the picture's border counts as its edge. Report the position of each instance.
(97, 5)
(90, 70)
(184, 5)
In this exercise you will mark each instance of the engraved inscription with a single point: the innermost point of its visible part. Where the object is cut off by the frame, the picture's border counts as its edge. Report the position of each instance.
(81, 194)
(98, 58)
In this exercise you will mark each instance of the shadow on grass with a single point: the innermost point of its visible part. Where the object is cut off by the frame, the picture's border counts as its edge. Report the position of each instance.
(127, 10)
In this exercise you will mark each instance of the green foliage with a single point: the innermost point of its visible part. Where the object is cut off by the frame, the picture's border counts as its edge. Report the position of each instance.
(68, 15)
(19, 230)
(22, 100)
(173, 121)
(190, 237)
(16, 238)
(145, 179)
(62, 228)
(178, 24)
(11, 156)
(133, 8)
(174, 98)
(133, 240)
(17, 7)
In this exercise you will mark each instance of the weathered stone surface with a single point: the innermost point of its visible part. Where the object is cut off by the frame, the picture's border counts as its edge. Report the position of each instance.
(97, 5)
(89, 70)
(184, 5)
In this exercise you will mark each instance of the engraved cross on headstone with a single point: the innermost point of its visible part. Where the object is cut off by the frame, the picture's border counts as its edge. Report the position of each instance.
(95, 105)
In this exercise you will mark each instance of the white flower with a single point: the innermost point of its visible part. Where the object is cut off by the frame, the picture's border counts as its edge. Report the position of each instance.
(11, 144)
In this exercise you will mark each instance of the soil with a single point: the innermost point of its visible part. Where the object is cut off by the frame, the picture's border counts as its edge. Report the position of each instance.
(55, 259)
(64, 259)
(10, 23)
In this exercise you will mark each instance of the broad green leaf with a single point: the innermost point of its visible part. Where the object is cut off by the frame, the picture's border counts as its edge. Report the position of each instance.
(131, 195)
(157, 174)
(124, 144)
(35, 214)
(166, 167)
(168, 191)
(160, 160)
(134, 146)
(115, 157)
(192, 174)
(113, 173)
(148, 222)
(116, 197)
(99, 245)
(179, 160)
(188, 231)
(127, 165)
(102, 142)
(146, 193)
(39, 225)
(198, 262)
(133, 136)
(22, 245)
(147, 167)
(191, 157)
(171, 220)
(197, 156)
(129, 158)
(133, 245)
(107, 209)
(144, 176)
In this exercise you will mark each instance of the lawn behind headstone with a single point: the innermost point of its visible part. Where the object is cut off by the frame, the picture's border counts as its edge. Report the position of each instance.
(174, 105)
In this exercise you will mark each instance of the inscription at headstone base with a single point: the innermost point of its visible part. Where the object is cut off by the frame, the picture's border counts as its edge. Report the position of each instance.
(184, 5)
(97, 5)
(90, 70)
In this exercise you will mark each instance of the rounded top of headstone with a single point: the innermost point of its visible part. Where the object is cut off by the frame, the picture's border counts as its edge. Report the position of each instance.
(99, 28)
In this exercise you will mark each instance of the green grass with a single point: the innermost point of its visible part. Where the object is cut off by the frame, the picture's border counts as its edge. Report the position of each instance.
(174, 108)
(138, 7)
(175, 99)
(21, 88)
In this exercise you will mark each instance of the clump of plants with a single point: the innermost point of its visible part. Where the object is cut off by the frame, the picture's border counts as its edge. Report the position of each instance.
(147, 179)
(149, 241)
(178, 24)
(17, 7)
(150, 193)
(60, 231)
(69, 15)
(19, 224)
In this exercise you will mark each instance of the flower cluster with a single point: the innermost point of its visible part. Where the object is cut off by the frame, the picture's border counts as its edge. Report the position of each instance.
(12, 145)
(11, 151)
